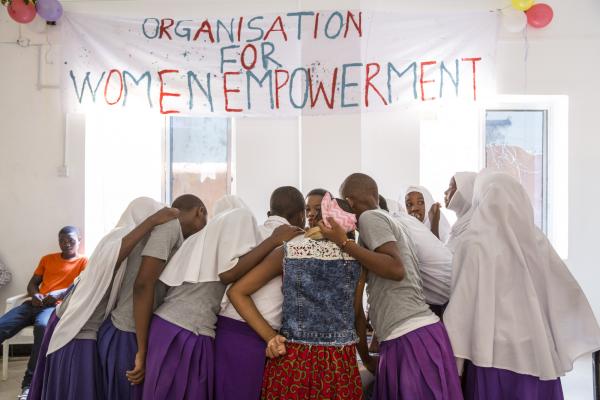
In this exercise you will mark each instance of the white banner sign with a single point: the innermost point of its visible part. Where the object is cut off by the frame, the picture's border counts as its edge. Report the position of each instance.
(305, 62)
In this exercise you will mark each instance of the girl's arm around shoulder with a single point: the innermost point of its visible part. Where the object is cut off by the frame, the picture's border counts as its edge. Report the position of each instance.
(248, 261)
(384, 260)
(130, 240)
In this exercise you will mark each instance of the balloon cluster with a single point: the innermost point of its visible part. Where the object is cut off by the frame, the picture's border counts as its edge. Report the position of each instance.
(24, 11)
(525, 12)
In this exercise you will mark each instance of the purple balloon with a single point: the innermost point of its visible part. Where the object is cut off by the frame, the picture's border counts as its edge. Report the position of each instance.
(50, 10)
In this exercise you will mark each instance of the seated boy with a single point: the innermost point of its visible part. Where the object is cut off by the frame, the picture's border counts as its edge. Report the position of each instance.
(47, 287)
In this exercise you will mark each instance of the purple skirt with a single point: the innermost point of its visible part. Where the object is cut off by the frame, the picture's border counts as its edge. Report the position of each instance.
(117, 351)
(500, 384)
(418, 366)
(37, 382)
(73, 373)
(179, 365)
(239, 361)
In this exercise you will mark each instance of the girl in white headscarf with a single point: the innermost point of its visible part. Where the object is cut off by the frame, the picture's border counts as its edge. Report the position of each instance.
(458, 198)
(71, 368)
(516, 314)
(180, 356)
(184, 324)
(227, 203)
(420, 204)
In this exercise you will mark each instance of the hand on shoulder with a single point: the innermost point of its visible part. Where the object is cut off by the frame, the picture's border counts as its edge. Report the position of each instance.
(285, 233)
(164, 215)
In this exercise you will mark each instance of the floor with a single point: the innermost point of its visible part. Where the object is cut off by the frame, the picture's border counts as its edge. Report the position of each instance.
(577, 385)
(11, 388)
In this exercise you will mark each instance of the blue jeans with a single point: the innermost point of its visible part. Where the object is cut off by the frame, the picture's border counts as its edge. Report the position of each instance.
(21, 317)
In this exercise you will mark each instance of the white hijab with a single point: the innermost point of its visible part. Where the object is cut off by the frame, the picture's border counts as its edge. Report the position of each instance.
(93, 283)
(227, 203)
(395, 208)
(461, 203)
(514, 304)
(444, 226)
(215, 249)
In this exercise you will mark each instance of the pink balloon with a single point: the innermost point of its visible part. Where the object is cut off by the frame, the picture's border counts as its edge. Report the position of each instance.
(21, 12)
(539, 15)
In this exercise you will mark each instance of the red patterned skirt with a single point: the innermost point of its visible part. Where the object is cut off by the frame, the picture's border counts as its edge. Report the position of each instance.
(313, 372)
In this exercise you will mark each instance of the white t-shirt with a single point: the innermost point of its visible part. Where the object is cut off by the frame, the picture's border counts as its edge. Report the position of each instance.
(269, 298)
(434, 260)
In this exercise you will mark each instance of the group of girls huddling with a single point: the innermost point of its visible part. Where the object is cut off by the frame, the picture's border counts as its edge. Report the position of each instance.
(172, 306)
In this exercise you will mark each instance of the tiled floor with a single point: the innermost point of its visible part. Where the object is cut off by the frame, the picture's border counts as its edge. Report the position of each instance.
(577, 385)
(11, 388)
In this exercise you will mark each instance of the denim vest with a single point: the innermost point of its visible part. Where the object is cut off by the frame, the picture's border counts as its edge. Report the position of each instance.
(319, 281)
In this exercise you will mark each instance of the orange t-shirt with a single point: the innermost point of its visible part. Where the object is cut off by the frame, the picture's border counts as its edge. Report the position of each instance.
(58, 273)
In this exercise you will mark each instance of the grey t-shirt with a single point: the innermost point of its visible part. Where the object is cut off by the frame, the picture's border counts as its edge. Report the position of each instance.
(162, 243)
(91, 327)
(391, 303)
(193, 306)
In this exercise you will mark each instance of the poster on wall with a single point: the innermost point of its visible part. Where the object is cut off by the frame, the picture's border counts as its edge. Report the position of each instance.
(296, 63)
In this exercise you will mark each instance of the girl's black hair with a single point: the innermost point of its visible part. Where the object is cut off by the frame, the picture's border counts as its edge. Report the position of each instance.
(318, 192)
(383, 203)
(344, 205)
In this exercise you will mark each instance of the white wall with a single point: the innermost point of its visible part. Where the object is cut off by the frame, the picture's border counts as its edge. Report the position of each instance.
(561, 59)
(34, 202)
(123, 160)
(330, 150)
(266, 157)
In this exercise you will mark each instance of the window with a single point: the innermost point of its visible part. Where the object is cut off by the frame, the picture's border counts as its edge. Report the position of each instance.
(516, 143)
(528, 137)
(525, 135)
(199, 158)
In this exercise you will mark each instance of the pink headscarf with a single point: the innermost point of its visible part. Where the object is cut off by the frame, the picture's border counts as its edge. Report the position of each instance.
(331, 209)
